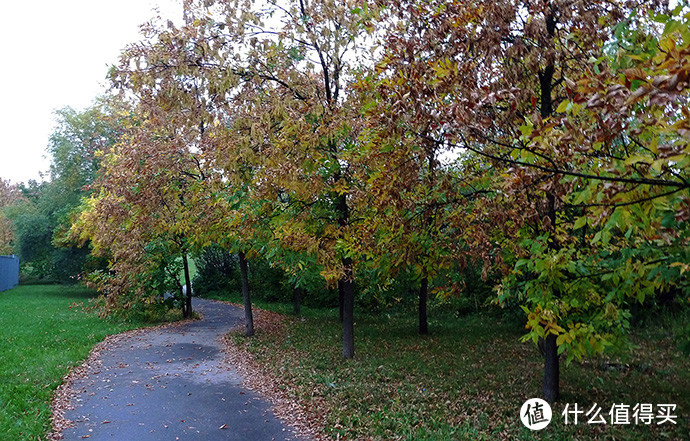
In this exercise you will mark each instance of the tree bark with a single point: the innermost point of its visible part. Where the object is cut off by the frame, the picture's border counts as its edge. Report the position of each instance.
(187, 308)
(551, 369)
(423, 292)
(296, 300)
(248, 317)
(551, 389)
(346, 289)
(428, 221)
(348, 310)
(341, 300)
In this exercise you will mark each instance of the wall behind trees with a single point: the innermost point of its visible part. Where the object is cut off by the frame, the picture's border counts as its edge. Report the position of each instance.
(9, 272)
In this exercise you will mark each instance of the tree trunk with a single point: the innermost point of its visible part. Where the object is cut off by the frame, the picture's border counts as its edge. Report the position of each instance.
(296, 300)
(427, 223)
(551, 369)
(341, 300)
(551, 389)
(183, 304)
(348, 291)
(423, 291)
(248, 317)
(187, 308)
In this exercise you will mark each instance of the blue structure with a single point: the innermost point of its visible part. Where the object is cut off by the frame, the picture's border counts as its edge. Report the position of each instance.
(9, 272)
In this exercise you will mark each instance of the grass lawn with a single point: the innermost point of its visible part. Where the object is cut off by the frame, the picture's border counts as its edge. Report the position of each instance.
(465, 381)
(44, 331)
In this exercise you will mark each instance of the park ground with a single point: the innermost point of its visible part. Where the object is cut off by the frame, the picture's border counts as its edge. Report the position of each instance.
(467, 380)
(45, 333)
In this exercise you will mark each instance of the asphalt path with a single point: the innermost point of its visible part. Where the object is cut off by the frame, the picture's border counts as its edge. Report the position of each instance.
(171, 384)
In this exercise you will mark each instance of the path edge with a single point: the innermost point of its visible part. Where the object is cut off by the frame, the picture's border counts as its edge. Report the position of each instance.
(61, 399)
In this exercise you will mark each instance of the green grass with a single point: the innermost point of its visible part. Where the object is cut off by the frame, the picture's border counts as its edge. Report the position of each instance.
(44, 331)
(466, 381)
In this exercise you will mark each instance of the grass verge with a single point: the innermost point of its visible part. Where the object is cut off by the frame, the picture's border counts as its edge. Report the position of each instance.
(466, 381)
(44, 332)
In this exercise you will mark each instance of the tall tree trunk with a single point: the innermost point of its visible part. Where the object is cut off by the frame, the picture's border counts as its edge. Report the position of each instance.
(187, 309)
(423, 292)
(248, 317)
(348, 310)
(296, 300)
(346, 289)
(428, 222)
(183, 305)
(551, 389)
(341, 300)
(551, 369)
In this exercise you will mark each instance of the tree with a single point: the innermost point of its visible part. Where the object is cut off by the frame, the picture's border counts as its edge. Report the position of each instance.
(38, 214)
(143, 214)
(33, 230)
(74, 167)
(9, 195)
(74, 143)
(622, 136)
(268, 88)
(488, 79)
(297, 72)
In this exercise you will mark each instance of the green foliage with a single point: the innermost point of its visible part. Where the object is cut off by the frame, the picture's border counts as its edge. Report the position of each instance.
(622, 236)
(41, 217)
(73, 146)
(217, 271)
(37, 221)
(33, 230)
(218, 277)
(269, 282)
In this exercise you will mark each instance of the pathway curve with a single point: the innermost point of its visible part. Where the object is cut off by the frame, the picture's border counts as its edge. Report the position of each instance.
(171, 384)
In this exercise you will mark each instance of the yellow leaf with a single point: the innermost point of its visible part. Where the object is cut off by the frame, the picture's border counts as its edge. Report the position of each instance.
(563, 106)
(636, 159)
(656, 165)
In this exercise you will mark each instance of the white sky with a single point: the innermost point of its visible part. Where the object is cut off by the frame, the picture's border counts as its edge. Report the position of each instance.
(56, 53)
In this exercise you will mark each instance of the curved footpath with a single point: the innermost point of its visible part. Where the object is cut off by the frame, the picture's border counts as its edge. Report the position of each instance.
(171, 383)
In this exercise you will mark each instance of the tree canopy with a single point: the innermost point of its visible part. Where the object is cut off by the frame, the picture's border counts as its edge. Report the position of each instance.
(545, 142)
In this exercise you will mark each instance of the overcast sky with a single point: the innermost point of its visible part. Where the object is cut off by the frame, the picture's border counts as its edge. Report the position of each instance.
(56, 53)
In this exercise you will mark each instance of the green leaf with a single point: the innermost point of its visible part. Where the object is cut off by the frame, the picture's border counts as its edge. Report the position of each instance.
(596, 238)
(580, 222)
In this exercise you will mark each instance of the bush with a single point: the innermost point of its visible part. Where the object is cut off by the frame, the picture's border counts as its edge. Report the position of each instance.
(217, 271)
